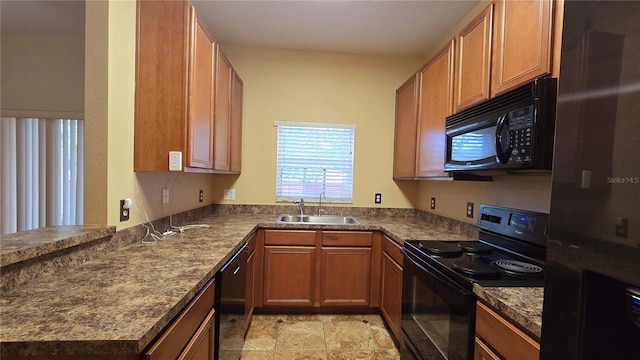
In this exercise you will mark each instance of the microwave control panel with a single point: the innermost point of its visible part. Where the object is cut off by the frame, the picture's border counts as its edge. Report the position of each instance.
(521, 134)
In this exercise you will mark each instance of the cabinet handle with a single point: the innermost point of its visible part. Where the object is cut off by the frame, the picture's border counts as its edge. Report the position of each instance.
(236, 270)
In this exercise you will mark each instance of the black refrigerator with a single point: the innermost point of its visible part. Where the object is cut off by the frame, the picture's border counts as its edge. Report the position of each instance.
(592, 285)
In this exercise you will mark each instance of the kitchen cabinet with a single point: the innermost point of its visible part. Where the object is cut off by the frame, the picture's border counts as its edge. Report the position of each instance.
(250, 286)
(345, 275)
(183, 85)
(391, 285)
(224, 74)
(523, 33)
(497, 338)
(191, 335)
(422, 104)
(289, 268)
(319, 269)
(473, 60)
(237, 93)
(405, 146)
(435, 104)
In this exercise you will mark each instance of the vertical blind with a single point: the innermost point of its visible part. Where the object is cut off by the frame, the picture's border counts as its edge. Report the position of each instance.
(42, 180)
(314, 160)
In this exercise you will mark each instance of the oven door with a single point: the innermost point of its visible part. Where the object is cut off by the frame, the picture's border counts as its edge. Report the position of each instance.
(438, 316)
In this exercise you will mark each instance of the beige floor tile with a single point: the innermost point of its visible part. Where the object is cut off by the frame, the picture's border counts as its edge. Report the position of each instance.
(364, 355)
(257, 354)
(300, 335)
(348, 335)
(381, 336)
(300, 354)
(261, 335)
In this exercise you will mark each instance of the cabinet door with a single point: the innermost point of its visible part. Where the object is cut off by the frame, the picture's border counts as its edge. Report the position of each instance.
(473, 65)
(222, 121)
(202, 344)
(404, 150)
(522, 42)
(391, 302)
(236, 123)
(436, 103)
(289, 273)
(345, 276)
(200, 120)
(482, 352)
(250, 293)
(161, 86)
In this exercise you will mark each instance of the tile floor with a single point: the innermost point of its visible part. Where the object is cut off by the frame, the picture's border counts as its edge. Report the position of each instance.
(318, 337)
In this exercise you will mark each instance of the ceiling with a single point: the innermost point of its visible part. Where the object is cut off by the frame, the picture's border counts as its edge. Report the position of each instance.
(405, 28)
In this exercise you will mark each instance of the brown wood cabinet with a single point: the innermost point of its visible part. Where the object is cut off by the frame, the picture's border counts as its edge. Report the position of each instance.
(422, 104)
(251, 283)
(177, 85)
(405, 146)
(473, 60)
(435, 104)
(345, 268)
(391, 285)
(522, 42)
(237, 93)
(497, 338)
(319, 269)
(191, 335)
(222, 142)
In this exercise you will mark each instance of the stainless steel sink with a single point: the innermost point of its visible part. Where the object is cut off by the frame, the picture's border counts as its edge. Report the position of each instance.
(317, 220)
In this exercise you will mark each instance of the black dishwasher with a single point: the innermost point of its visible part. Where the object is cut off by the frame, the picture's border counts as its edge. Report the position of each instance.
(230, 306)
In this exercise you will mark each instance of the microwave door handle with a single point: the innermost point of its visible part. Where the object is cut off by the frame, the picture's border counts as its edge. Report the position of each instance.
(501, 155)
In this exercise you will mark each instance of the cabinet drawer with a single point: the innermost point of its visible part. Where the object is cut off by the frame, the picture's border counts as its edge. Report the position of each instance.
(347, 238)
(286, 237)
(509, 341)
(393, 250)
(179, 333)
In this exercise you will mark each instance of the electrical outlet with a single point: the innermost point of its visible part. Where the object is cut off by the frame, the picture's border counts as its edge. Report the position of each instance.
(201, 196)
(622, 227)
(378, 198)
(433, 203)
(165, 196)
(124, 211)
(470, 210)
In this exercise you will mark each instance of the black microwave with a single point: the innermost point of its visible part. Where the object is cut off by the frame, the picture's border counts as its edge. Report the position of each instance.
(511, 132)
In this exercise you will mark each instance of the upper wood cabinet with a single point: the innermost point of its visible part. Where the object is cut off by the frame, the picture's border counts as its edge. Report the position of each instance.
(522, 42)
(404, 154)
(181, 91)
(237, 93)
(422, 104)
(473, 60)
(200, 105)
(224, 74)
(435, 104)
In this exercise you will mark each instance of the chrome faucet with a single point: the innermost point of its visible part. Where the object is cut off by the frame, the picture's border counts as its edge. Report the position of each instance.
(300, 205)
(320, 209)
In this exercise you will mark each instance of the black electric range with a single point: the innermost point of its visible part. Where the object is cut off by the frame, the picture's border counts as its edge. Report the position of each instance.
(510, 251)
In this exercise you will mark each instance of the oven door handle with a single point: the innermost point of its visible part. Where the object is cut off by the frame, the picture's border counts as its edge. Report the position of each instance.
(437, 276)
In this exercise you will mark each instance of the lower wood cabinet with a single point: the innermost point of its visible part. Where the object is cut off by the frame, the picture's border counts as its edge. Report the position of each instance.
(319, 269)
(345, 278)
(497, 338)
(289, 273)
(250, 302)
(191, 335)
(391, 286)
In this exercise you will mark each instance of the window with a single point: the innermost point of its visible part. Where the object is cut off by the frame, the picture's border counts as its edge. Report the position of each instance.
(42, 179)
(315, 159)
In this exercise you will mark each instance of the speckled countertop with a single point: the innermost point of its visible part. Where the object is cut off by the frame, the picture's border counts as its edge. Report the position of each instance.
(118, 303)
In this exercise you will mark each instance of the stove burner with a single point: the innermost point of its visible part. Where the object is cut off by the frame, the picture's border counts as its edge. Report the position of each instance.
(441, 248)
(515, 267)
(475, 247)
(475, 268)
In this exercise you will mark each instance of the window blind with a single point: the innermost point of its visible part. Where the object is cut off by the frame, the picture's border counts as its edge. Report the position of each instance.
(42, 180)
(314, 159)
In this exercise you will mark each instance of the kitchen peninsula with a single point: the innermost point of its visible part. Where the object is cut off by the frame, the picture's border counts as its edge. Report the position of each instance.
(120, 302)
